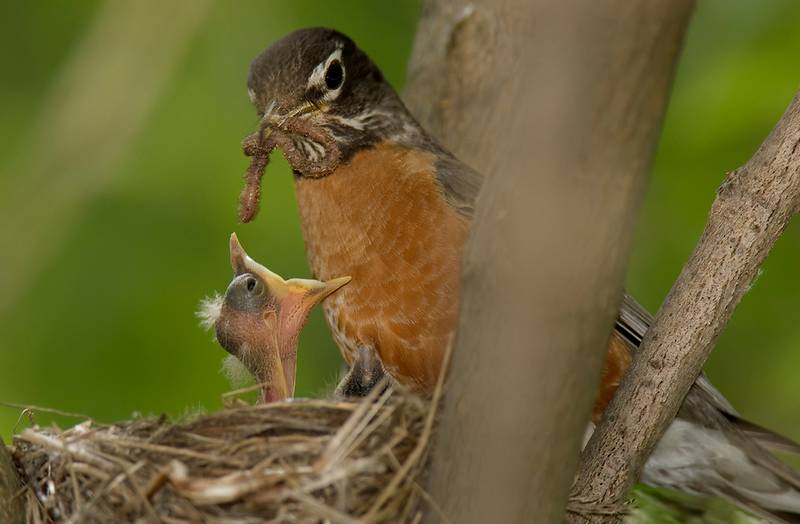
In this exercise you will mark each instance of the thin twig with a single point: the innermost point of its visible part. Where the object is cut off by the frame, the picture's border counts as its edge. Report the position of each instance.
(53, 411)
(422, 443)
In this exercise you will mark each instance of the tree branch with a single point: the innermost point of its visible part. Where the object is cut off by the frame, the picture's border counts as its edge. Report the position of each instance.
(11, 505)
(751, 211)
(560, 105)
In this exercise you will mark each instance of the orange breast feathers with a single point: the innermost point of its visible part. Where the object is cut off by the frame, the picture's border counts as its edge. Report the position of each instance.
(382, 219)
(618, 359)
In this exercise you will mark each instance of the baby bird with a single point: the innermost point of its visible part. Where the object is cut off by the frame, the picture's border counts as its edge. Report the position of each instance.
(260, 317)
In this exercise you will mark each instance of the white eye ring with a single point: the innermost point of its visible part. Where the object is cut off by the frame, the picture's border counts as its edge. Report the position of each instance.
(317, 77)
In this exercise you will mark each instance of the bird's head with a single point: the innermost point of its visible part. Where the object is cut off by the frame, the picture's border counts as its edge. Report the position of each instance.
(317, 79)
(261, 317)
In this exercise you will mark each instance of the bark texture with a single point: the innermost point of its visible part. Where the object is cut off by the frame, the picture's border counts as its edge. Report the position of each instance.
(751, 211)
(560, 105)
(12, 510)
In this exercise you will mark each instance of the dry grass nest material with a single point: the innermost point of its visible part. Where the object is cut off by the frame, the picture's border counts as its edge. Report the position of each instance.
(298, 461)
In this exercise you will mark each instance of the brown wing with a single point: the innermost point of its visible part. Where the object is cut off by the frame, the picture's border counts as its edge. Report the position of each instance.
(460, 183)
(632, 324)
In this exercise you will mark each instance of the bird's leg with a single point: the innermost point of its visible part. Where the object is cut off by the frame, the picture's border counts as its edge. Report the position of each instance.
(365, 373)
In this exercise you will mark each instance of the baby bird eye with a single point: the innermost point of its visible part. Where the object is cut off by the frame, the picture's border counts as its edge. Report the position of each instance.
(251, 284)
(246, 292)
(334, 75)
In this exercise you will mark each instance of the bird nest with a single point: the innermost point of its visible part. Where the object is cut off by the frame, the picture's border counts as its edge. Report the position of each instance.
(296, 461)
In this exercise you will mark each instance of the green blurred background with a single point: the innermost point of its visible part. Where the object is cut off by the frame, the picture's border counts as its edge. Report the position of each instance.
(120, 167)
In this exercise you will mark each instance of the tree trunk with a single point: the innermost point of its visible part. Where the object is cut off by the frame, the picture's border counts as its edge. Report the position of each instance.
(560, 105)
(12, 510)
(751, 211)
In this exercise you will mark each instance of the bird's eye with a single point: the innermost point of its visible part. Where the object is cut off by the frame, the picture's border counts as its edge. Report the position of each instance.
(251, 284)
(334, 75)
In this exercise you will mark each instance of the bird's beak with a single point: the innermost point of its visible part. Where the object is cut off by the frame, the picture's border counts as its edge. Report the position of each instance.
(299, 296)
(242, 263)
(272, 118)
(314, 291)
(311, 291)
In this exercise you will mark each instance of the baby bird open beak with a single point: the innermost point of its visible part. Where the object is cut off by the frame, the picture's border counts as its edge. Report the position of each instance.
(261, 319)
(311, 291)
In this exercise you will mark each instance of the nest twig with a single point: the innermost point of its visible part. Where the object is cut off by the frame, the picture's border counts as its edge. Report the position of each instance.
(297, 461)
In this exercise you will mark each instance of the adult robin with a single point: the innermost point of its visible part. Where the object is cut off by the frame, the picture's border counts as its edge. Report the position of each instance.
(382, 201)
(259, 319)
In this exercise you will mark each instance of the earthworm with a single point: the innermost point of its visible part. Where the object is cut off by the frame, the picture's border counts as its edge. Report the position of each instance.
(251, 194)
(260, 150)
